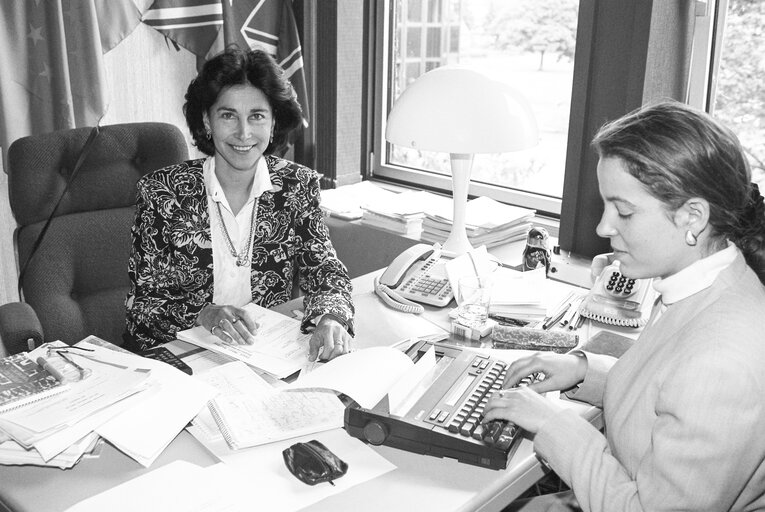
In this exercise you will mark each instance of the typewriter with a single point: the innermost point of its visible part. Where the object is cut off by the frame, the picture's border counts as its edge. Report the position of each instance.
(446, 418)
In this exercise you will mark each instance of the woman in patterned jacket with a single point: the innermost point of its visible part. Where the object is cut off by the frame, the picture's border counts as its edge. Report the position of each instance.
(214, 234)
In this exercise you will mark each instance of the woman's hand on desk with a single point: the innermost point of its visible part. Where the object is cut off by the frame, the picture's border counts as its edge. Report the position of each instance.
(230, 324)
(329, 339)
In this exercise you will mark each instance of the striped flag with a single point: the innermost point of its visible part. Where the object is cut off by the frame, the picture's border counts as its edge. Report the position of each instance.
(265, 24)
(193, 24)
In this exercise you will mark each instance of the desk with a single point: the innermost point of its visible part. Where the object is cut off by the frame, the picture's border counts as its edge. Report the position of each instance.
(420, 482)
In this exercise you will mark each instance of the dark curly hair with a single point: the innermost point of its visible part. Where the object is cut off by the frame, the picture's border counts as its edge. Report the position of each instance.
(678, 152)
(239, 67)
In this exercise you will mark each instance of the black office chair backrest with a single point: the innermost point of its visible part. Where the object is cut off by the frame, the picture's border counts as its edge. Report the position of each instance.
(77, 279)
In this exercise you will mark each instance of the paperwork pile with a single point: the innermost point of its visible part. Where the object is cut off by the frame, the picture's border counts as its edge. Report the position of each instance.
(487, 222)
(138, 405)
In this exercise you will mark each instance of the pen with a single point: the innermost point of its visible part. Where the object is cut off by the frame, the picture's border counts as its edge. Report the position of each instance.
(50, 369)
(509, 320)
(574, 322)
(558, 312)
(572, 310)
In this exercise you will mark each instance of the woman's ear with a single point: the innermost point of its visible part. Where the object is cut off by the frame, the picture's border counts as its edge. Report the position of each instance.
(693, 215)
(206, 121)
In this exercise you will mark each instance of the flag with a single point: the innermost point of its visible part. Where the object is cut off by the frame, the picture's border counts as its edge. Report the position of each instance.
(265, 24)
(51, 66)
(193, 24)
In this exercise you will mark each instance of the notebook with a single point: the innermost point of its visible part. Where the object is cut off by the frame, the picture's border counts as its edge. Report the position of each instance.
(254, 419)
(23, 381)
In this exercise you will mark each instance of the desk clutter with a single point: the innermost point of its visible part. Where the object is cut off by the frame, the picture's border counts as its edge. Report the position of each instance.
(427, 216)
(103, 393)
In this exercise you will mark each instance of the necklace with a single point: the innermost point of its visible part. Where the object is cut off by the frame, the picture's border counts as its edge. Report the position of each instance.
(243, 258)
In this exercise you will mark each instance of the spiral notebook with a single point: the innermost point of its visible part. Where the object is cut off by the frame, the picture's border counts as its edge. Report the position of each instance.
(23, 381)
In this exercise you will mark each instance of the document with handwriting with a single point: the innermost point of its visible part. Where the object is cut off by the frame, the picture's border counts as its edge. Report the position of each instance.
(279, 349)
(249, 412)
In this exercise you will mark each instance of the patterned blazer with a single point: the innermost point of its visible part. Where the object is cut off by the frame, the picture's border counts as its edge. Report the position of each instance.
(171, 261)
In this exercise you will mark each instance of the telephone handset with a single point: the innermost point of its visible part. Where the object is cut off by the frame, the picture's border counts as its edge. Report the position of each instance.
(417, 274)
(617, 299)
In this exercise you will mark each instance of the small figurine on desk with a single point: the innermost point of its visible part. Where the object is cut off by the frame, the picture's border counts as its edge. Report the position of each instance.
(537, 250)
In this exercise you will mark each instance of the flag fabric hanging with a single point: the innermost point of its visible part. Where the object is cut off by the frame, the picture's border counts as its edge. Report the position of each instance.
(266, 24)
(51, 66)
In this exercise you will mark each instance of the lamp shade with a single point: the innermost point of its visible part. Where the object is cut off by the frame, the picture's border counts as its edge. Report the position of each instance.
(458, 110)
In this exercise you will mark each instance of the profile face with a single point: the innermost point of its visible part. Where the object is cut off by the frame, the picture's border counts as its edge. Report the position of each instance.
(644, 236)
(241, 121)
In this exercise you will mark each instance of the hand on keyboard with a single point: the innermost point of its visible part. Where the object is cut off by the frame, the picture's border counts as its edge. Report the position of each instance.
(500, 433)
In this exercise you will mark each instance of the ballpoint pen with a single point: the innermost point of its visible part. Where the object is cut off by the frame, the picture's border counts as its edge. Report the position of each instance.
(572, 311)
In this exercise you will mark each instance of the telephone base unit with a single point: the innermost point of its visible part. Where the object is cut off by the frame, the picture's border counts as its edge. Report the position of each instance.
(445, 420)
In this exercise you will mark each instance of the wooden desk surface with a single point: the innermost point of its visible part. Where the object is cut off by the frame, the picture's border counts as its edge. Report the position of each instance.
(419, 482)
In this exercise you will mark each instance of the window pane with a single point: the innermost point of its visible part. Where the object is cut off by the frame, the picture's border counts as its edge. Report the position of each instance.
(414, 10)
(739, 101)
(525, 43)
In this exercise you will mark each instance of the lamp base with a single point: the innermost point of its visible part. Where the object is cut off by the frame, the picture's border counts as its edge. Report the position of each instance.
(457, 243)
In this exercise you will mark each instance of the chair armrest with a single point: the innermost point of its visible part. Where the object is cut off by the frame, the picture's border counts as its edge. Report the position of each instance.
(18, 325)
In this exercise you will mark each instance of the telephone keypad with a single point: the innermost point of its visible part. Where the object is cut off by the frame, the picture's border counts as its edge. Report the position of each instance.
(619, 285)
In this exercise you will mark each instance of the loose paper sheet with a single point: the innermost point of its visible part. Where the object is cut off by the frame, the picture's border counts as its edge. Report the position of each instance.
(365, 375)
(280, 348)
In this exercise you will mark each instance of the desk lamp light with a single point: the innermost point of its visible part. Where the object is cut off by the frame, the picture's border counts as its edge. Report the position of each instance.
(463, 112)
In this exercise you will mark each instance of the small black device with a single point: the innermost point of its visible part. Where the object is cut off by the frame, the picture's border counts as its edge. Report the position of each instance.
(164, 355)
(445, 419)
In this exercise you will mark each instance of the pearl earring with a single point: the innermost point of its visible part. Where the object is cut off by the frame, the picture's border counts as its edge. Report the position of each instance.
(690, 238)
(208, 132)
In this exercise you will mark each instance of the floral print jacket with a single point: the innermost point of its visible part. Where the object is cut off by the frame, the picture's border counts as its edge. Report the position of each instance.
(171, 261)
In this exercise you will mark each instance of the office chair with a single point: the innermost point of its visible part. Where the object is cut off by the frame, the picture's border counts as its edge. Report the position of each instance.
(76, 282)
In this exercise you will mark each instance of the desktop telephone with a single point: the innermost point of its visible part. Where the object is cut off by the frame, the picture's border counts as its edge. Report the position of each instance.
(418, 275)
(617, 299)
(445, 419)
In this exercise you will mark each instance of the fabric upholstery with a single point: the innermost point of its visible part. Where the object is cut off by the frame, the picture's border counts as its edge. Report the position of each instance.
(77, 280)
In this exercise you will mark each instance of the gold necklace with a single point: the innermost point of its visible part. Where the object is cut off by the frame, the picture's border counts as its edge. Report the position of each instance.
(243, 258)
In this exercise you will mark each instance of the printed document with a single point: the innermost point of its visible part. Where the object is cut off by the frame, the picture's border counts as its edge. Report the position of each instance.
(280, 348)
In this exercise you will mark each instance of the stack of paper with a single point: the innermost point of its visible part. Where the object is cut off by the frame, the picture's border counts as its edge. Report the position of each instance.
(346, 202)
(519, 294)
(487, 222)
(137, 404)
(401, 213)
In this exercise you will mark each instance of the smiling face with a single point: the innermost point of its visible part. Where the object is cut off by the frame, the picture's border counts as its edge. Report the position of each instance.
(646, 239)
(241, 122)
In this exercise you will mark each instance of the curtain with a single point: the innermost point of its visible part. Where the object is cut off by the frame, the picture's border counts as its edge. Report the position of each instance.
(51, 69)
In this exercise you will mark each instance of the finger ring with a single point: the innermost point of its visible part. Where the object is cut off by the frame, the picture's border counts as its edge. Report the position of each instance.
(235, 320)
(212, 330)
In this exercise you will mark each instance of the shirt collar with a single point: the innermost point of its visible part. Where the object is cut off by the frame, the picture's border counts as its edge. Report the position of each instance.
(696, 276)
(261, 182)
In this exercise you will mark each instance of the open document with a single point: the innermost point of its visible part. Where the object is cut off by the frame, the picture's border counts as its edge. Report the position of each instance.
(247, 411)
(280, 348)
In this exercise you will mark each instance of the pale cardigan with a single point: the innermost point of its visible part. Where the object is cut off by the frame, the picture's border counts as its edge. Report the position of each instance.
(684, 410)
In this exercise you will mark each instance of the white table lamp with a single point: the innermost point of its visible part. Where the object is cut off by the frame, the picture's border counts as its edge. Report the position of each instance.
(462, 112)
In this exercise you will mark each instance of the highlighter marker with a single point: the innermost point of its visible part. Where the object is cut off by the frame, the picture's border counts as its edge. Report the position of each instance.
(53, 371)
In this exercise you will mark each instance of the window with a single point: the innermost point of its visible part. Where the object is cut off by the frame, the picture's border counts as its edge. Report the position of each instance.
(525, 43)
(628, 54)
(737, 88)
